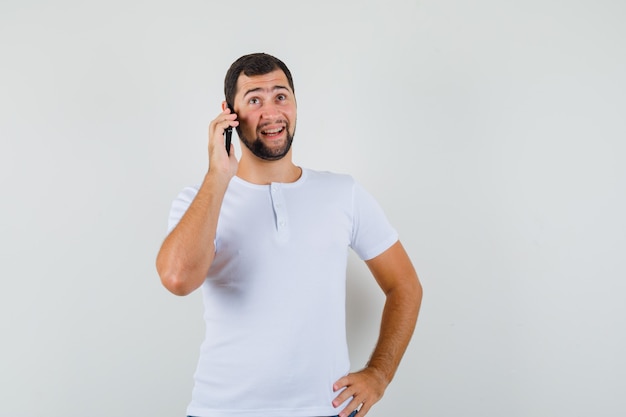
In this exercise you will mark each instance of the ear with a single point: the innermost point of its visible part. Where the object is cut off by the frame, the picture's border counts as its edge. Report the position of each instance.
(224, 105)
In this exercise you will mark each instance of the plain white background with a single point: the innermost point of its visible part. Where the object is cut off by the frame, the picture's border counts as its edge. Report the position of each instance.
(492, 133)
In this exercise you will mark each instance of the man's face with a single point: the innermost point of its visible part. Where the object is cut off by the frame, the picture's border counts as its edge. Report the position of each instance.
(266, 110)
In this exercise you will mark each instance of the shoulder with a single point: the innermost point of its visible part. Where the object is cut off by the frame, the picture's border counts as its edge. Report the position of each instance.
(328, 178)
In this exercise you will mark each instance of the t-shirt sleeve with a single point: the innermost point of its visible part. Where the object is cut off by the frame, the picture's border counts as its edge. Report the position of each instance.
(180, 206)
(372, 234)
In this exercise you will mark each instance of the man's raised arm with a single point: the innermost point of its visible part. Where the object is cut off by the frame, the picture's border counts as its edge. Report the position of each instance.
(188, 251)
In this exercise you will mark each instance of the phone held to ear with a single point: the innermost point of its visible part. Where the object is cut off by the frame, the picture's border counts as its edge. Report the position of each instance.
(228, 134)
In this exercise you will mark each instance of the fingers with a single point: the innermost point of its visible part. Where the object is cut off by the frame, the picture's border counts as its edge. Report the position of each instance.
(217, 127)
(351, 410)
(219, 160)
(355, 403)
(224, 120)
(347, 383)
(362, 389)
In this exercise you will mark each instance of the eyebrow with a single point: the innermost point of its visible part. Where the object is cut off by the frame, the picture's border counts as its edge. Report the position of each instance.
(276, 87)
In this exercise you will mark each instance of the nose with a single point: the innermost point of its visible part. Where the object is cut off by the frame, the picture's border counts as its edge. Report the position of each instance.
(270, 111)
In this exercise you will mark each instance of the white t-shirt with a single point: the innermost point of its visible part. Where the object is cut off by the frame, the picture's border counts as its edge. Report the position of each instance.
(274, 296)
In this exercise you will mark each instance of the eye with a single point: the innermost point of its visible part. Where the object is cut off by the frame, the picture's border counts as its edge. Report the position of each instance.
(253, 100)
(281, 97)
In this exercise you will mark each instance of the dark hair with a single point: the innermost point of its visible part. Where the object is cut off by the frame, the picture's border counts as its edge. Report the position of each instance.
(251, 65)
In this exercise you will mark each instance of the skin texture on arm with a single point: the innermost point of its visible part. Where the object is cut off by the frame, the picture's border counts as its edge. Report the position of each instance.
(188, 251)
(263, 103)
(397, 278)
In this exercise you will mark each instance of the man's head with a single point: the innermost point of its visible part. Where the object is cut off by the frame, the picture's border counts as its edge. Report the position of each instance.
(259, 88)
(250, 65)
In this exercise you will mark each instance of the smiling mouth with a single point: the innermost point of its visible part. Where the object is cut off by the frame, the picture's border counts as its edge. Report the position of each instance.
(272, 132)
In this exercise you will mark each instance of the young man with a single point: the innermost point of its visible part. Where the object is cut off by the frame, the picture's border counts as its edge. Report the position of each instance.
(267, 242)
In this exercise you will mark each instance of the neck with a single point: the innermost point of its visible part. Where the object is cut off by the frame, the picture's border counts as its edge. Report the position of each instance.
(259, 171)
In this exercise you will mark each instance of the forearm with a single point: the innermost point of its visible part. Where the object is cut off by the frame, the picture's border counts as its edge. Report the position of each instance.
(188, 251)
(403, 292)
(398, 322)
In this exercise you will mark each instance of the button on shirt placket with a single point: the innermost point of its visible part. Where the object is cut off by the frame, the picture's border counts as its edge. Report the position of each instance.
(280, 211)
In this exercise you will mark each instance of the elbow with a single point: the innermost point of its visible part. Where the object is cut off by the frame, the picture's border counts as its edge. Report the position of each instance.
(176, 284)
(419, 290)
(174, 280)
(407, 294)
(417, 293)
(412, 293)
(415, 288)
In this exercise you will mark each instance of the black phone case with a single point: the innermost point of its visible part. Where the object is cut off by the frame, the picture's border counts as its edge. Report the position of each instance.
(228, 133)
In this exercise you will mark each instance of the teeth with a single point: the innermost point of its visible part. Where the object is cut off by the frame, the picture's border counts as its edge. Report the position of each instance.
(271, 131)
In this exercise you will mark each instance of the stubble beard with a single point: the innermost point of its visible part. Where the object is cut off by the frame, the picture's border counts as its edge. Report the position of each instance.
(262, 151)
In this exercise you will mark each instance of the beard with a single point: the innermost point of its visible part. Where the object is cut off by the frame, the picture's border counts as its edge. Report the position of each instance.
(262, 151)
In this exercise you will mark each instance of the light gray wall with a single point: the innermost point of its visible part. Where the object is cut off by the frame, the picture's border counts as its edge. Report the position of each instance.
(492, 132)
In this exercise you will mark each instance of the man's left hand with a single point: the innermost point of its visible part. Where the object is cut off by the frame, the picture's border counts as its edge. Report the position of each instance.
(365, 387)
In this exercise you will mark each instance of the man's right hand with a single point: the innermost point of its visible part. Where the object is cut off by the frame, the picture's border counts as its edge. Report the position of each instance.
(188, 251)
(220, 163)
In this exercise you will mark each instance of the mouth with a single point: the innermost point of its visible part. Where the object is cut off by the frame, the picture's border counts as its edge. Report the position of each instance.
(274, 132)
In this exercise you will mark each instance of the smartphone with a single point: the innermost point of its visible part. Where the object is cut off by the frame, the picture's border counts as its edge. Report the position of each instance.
(228, 134)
